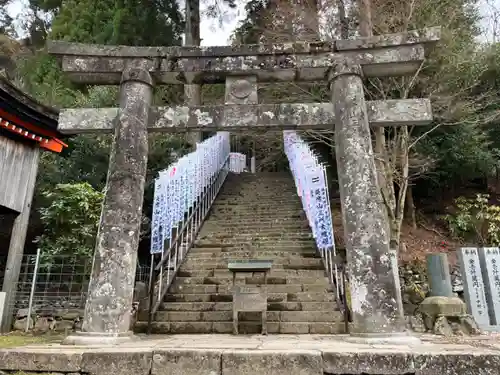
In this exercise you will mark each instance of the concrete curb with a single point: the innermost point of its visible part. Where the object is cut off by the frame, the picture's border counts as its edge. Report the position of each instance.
(190, 361)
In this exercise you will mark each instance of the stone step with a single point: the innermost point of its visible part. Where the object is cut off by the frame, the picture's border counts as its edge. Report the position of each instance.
(227, 316)
(260, 205)
(258, 248)
(243, 238)
(261, 248)
(257, 214)
(259, 221)
(283, 273)
(247, 249)
(271, 297)
(261, 184)
(241, 278)
(255, 226)
(222, 260)
(259, 189)
(227, 289)
(256, 230)
(200, 253)
(255, 236)
(263, 243)
(243, 327)
(282, 194)
(262, 222)
(228, 306)
(291, 264)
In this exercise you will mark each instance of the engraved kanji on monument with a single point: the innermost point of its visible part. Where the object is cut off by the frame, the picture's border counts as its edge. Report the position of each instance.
(473, 285)
(489, 258)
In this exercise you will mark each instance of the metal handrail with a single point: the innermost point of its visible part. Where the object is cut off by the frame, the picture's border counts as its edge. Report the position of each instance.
(165, 271)
(335, 269)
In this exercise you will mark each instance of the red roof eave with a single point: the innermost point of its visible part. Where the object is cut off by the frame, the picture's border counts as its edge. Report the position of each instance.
(47, 139)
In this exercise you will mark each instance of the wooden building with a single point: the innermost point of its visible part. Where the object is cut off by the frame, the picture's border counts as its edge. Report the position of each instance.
(26, 128)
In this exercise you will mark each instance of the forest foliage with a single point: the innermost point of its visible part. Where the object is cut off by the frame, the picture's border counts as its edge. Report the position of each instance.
(456, 155)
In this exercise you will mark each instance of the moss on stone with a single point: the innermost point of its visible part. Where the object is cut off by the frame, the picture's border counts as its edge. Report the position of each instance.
(15, 340)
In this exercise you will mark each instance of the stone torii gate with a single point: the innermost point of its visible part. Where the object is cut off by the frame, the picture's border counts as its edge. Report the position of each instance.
(343, 63)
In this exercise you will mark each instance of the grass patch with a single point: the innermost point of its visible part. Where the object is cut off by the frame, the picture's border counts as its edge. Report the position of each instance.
(13, 340)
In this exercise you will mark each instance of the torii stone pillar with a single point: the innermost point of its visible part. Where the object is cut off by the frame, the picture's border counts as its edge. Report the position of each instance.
(111, 287)
(375, 310)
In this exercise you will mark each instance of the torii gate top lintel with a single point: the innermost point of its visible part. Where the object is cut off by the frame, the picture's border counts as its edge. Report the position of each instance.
(383, 55)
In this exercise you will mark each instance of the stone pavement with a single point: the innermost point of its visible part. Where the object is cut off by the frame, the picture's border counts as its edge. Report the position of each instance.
(264, 355)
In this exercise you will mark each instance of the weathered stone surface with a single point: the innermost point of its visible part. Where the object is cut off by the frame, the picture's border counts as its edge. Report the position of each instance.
(226, 354)
(438, 270)
(474, 288)
(278, 116)
(367, 363)
(447, 306)
(373, 289)
(244, 362)
(469, 325)
(442, 327)
(417, 323)
(45, 360)
(117, 361)
(45, 324)
(109, 301)
(186, 362)
(20, 324)
(104, 64)
(456, 364)
(427, 35)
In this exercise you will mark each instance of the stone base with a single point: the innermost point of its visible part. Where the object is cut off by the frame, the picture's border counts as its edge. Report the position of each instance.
(397, 338)
(490, 328)
(263, 355)
(90, 338)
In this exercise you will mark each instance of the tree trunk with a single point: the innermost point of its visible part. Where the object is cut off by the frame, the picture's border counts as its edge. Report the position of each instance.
(365, 18)
(402, 164)
(192, 93)
(343, 21)
(410, 208)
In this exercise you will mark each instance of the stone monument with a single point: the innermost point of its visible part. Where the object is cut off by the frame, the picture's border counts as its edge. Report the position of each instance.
(489, 258)
(473, 285)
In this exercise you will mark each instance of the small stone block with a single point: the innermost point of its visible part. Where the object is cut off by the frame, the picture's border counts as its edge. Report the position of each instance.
(44, 360)
(113, 362)
(245, 362)
(294, 328)
(367, 363)
(456, 364)
(249, 265)
(445, 306)
(190, 327)
(186, 362)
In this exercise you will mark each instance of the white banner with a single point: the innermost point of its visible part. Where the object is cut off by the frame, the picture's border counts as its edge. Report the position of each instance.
(180, 186)
(310, 180)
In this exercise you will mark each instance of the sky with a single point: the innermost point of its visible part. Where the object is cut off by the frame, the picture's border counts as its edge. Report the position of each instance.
(212, 32)
(215, 33)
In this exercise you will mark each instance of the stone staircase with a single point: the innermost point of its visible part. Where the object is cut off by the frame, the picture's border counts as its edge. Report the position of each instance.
(257, 216)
